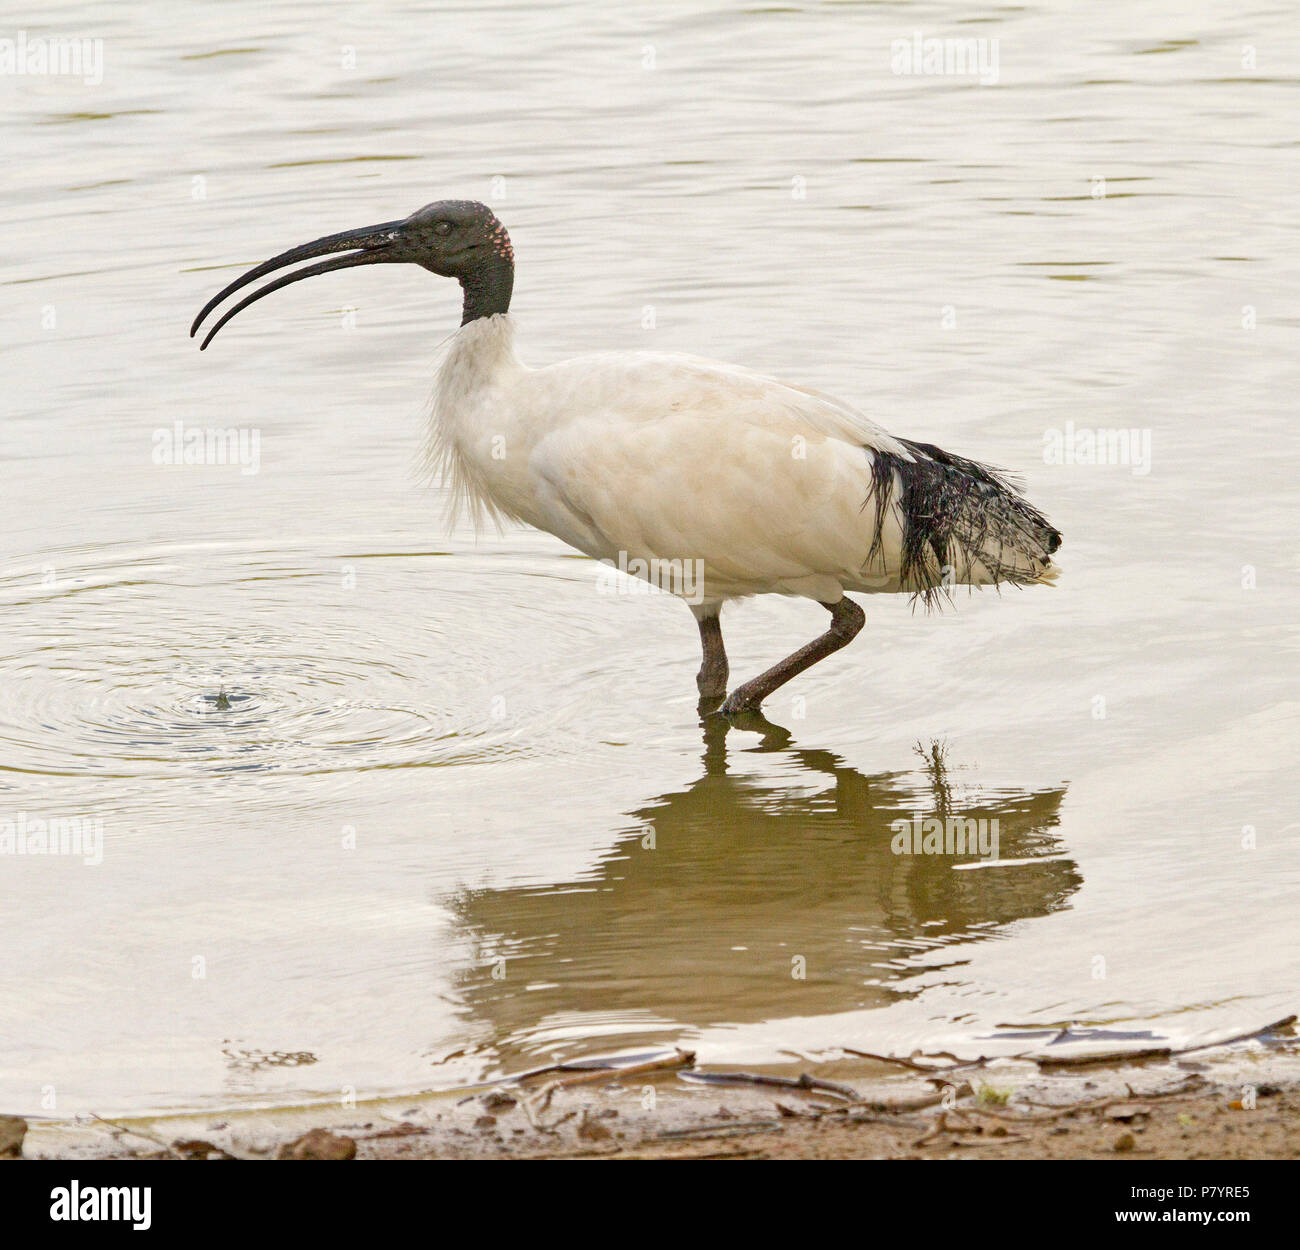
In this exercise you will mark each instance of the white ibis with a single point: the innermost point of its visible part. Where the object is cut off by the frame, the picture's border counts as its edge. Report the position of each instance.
(734, 483)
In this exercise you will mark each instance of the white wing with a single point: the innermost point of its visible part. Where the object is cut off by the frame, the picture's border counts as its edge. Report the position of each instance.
(673, 458)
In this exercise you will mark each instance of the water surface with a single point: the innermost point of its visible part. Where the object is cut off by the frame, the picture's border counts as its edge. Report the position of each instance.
(457, 814)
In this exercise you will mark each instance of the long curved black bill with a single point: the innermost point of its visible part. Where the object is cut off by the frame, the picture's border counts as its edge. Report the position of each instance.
(368, 246)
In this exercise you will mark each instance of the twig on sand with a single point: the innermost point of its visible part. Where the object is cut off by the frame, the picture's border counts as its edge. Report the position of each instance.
(534, 1107)
(1191, 1084)
(1102, 1058)
(949, 1093)
(1156, 1052)
(1194, 1084)
(803, 1082)
(135, 1132)
(938, 1129)
(929, 1064)
(952, 1064)
(183, 1149)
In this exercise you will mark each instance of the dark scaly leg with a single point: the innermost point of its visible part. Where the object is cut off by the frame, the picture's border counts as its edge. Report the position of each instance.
(846, 620)
(712, 679)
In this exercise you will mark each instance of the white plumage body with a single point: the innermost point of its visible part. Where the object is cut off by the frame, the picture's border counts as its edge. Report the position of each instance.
(654, 457)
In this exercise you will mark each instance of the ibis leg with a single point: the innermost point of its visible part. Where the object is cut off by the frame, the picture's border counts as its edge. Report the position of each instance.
(846, 620)
(712, 679)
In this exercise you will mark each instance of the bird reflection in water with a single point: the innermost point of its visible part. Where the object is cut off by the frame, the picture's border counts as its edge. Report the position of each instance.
(715, 898)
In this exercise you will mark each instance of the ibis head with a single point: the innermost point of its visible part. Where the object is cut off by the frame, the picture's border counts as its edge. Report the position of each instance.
(459, 239)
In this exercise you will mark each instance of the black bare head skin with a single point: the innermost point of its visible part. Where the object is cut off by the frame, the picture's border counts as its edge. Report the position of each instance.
(459, 239)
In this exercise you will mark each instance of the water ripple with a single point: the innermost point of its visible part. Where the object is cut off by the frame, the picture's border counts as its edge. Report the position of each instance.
(157, 666)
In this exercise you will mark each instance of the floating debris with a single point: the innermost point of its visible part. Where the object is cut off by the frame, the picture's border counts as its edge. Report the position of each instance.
(223, 702)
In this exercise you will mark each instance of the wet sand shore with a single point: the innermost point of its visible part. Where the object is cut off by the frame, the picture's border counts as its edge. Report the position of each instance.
(1237, 1103)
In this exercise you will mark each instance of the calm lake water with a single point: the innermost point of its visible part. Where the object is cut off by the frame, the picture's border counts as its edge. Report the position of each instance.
(460, 816)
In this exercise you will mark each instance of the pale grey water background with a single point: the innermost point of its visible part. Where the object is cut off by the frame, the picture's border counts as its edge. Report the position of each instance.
(494, 735)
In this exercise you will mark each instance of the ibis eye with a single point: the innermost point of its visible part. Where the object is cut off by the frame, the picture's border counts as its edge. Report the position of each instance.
(442, 227)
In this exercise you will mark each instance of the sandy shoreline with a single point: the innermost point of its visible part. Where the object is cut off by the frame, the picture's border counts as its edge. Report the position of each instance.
(1239, 1101)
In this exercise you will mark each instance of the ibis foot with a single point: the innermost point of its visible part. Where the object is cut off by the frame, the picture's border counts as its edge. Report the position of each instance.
(736, 704)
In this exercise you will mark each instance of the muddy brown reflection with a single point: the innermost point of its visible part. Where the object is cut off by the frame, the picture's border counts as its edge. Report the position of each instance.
(699, 913)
